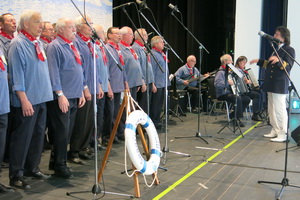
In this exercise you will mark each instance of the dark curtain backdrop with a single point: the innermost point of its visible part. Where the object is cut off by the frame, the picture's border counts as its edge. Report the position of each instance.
(211, 22)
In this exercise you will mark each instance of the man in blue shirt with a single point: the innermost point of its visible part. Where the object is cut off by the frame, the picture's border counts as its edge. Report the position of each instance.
(132, 66)
(66, 76)
(118, 83)
(8, 27)
(146, 66)
(224, 93)
(4, 110)
(187, 79)
(84, 122)
(160, 84)
(102, 61)
(31, 89)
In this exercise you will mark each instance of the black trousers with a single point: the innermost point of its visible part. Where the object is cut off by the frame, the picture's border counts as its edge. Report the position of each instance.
(242, 103)
(257, 100)
(157, 102)
(142, 98)
(100, 115)
(111, 110)
(64, 123)
(27, 140)
(83, 128)
(3, 129)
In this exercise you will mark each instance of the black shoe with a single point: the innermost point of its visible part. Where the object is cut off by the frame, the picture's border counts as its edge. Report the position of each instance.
(76, 161)
(63, 172)
(4, 189)
(240, 123)
(255, 117)
(118, 141)
(101, 147)
(38, 175)
(5, 165)
(84, 155)
(19, 182)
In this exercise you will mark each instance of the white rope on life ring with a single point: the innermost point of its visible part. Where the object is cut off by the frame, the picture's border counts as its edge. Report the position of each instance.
(143, 166)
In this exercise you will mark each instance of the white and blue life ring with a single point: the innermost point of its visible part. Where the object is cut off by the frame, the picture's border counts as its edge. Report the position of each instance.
(143, 166)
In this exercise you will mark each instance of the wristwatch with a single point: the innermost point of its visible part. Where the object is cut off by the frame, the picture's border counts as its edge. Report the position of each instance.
(60, 94)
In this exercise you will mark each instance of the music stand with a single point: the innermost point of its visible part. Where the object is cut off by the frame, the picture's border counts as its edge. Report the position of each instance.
(236, 125)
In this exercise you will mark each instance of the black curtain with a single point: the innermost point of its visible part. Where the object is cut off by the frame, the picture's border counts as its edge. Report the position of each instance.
(212, 22)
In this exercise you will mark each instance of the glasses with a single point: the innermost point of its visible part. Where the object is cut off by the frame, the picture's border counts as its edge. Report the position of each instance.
(116, 33)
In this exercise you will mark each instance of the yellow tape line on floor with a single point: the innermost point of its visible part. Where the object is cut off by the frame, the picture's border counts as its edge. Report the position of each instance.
(163, 193)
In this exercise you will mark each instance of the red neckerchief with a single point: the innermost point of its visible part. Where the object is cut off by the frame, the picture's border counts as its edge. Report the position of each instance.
(117, 48)
(131, 50)
(162, 53)
(75, 51)
(39, 54)
(142, 45)
(10, 37)
(191, 70)
(223, 66)
(104, 57)
(88, 42)
(45, 39)
(2, 64)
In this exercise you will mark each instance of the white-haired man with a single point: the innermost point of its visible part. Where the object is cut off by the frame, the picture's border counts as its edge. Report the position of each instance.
(31, 90)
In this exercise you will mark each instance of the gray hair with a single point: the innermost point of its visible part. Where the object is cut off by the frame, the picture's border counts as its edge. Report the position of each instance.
(136, 34)
(155, 40)
(25, 16)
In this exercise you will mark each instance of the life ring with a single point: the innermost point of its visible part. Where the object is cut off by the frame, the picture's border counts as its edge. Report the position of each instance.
(143, 166)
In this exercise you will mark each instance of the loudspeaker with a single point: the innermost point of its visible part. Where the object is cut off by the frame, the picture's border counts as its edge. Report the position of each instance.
(296, 135)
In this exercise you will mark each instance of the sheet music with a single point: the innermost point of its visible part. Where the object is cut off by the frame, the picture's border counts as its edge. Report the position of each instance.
(236, 71)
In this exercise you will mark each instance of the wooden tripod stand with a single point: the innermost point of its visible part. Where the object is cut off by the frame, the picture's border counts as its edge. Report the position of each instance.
(127, 103)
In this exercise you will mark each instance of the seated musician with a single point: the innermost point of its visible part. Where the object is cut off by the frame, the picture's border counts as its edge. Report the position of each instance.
(253, 93)
(224, 93)
(186, 79)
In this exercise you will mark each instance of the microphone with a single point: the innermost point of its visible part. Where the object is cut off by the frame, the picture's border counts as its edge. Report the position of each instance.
(122, 5)
(173, 8)
(269, 37)
(143, 4)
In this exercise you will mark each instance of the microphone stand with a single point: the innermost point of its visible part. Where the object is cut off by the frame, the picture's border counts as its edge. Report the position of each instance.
(285, 181)
(165, 149)
(96, 187)
(201, 47)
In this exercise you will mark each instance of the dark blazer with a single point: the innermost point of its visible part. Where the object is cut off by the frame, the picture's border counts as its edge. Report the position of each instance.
(276, 80)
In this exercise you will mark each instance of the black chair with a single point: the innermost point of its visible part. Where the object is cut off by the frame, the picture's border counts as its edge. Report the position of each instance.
(216, 105)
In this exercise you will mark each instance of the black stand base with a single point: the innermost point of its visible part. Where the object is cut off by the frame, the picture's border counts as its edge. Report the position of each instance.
(198, 135)
(284, 183)
(97, 190)
(236, 127)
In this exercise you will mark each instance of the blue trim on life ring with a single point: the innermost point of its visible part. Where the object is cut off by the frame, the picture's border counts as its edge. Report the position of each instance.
(147, 122)
(155, 151)
(144, 167)
(130, 126)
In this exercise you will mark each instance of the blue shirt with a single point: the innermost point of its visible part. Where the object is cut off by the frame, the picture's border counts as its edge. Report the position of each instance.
(88, 64)
(117, 77)
(159, 76)
(28, 73)
(4, 43)
(143, 61)
(103, 70)
(4, 93)
(183, 73)
(132, 67)
(221, 87)
(65, 73)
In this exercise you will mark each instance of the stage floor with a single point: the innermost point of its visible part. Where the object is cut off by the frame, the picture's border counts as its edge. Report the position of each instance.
(228, 167)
